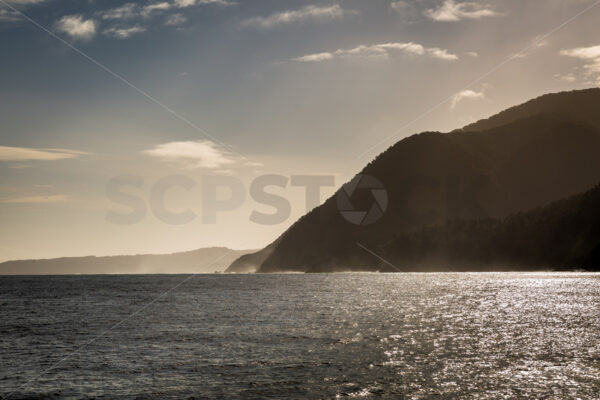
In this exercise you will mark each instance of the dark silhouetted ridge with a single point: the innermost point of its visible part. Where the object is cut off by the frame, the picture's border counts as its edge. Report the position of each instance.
(526, 157)
(577, 105)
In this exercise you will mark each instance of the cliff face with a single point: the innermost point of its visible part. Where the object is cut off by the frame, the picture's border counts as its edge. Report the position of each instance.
(528, 156)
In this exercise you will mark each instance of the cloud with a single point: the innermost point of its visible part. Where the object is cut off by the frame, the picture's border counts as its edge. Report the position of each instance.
(126, 11)
(363, 51)
(155, 7)
(407, 11)
(585, 53)
(591, 55)
(29, 154)
(442, 54)
(315, 57)
(9, 15)
(26, 1)
(468, 95)
(59, 198)
(124, 32)
(409, 47)
(536, 43)
(188, 3)
(185, 3)
(191, 154)
(451, 11)
(400, 6)
(540, 41)
(134, 10)
(570, 77)
(76, 27)
(176, 20)
(307, 14)
(473, 54)
(380, 51)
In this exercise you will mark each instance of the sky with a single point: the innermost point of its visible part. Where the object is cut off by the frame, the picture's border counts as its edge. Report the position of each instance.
(165, 98)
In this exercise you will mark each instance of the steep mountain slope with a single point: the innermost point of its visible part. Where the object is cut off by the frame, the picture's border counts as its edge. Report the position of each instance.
(531, 155)
(538, 159)
(206, 260)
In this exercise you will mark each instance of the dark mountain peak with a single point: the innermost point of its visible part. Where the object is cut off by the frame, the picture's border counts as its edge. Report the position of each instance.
(526, 157)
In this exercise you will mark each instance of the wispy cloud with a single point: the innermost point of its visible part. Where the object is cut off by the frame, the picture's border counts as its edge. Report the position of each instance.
(570, 77)
(7, 15)
(30, 154)
(175, 20)
(380, 51)
(155, 7)
(450, 11)
(126, 11)
(442, 54)
(165, 5)
(592, 57)
(124, 32)
(59, 198)
(185, 3)
(134, 10)
(315, 57)
(191, 154)
(189, 3)
(77, 27)
(26, 1)
(585, 53)
(406, 10)
(307, 14)
(400, 6)
(468, 95)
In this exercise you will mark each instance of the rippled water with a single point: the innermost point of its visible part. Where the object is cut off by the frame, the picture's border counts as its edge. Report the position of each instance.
(479, 336)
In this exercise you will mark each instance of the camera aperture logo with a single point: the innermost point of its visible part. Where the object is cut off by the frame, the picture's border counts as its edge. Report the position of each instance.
(366, 216)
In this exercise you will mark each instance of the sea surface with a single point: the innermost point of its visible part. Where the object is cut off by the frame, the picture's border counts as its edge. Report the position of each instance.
(297, 336)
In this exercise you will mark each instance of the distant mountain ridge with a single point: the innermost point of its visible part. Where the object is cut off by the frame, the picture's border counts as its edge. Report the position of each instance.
(206, 260)
(528, 156)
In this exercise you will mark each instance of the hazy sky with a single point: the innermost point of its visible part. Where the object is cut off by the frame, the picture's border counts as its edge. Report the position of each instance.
(239, 89)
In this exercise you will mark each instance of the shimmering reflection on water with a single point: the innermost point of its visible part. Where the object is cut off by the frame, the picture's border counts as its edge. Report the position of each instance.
(418, 336)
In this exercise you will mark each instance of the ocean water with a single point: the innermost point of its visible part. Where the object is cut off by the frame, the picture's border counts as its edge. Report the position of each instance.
(296, 336)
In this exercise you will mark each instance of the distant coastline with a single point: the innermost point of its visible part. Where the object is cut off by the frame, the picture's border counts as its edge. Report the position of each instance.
(205, 260)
